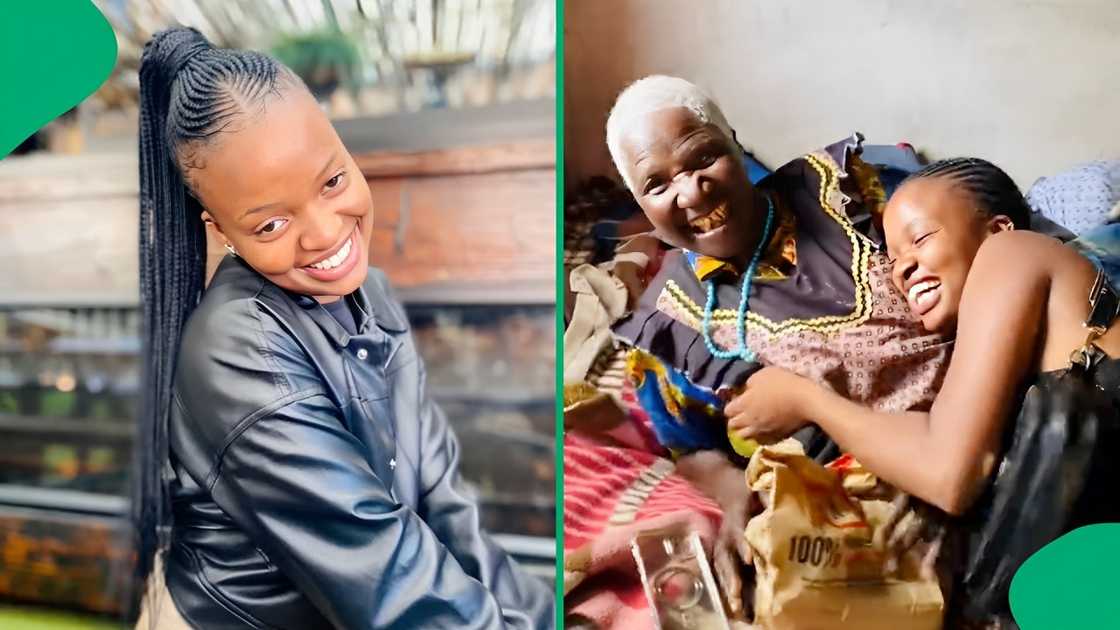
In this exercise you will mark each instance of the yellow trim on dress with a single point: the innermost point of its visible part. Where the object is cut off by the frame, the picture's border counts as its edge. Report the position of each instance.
(829, 172)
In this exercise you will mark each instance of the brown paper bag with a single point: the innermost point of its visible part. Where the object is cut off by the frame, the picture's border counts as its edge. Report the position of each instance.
(820, 554)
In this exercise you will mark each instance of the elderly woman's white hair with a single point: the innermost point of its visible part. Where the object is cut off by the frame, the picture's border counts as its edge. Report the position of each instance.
(655, 93)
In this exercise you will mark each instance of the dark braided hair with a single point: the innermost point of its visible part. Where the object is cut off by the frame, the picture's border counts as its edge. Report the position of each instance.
(993, 189)
(189, 93)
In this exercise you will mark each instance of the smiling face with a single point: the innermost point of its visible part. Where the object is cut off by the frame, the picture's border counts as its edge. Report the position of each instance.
(282, 189)
(691, 184)
(933, 230)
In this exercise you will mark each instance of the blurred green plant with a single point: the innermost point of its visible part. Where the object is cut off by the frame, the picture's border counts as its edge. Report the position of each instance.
(325, 60)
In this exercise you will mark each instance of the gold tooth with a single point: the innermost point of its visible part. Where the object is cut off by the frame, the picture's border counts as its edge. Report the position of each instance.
(710, 221)
(717, 217)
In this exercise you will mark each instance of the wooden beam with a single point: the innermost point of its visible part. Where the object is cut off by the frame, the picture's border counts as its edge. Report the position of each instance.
(509, 156)
(454, 221)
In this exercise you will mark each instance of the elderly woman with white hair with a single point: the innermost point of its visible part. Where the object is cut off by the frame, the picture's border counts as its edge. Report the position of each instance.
(788, 272)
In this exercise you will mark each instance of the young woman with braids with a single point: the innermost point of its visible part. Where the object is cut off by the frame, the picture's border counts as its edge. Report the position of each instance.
(294, 471)
(1018, 303)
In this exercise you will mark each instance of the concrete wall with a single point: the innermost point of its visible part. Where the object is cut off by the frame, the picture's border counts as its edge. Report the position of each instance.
(1031, 85)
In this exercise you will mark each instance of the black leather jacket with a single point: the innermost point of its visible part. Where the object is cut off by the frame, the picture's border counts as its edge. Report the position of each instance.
(315, 482)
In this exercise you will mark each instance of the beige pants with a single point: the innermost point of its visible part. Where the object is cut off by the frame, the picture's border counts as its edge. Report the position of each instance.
(163, 613)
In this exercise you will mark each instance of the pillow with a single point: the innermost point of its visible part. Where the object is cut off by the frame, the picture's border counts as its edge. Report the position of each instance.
(1080, 199)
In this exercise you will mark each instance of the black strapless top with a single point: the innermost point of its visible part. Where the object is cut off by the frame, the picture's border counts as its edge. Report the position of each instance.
(1058, 466)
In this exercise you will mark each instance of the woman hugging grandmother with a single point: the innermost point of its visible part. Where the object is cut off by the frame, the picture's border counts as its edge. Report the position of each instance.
(855, 331)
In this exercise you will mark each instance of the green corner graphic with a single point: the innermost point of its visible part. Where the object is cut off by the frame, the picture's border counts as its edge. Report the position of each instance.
(1071, 582)
(53, 54)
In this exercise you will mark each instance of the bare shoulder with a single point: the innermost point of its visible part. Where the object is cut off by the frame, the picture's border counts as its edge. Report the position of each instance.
(1012, 266)
(1026, 254)
(1021, 242)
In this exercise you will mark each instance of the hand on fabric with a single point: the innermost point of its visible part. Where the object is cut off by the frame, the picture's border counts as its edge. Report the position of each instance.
(771, 407)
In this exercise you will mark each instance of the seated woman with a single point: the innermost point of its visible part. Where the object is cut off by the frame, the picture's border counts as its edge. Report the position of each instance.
(1018, 303)
(783, 273)
(295, 472)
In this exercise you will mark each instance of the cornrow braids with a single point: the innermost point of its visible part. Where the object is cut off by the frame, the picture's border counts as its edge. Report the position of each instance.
(189, 93)
(993, 189)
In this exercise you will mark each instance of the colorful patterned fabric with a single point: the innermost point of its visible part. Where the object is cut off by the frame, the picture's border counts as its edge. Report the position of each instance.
(683, 416)
(618, 483)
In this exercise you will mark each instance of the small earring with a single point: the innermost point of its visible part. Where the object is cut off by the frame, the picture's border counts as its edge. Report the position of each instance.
(231, 250)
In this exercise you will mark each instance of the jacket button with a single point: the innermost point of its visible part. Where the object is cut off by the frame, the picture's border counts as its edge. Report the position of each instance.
(362, 354)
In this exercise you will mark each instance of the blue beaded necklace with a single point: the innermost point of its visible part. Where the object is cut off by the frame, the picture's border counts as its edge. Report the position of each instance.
(741, 352)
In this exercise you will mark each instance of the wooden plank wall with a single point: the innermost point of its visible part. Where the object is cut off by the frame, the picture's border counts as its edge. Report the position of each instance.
(475, 220)
(474, 223)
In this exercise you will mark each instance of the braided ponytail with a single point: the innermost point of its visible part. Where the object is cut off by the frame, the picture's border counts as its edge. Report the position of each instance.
(189, 93)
